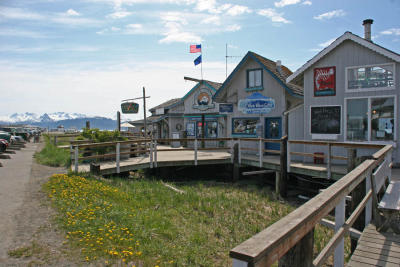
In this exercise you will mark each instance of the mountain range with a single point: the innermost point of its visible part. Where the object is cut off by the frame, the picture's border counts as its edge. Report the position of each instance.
(52, 120)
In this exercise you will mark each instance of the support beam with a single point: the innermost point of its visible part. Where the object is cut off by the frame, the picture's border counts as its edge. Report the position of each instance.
(118, 155)
(338, 260)
(257, 172)
(76, 158)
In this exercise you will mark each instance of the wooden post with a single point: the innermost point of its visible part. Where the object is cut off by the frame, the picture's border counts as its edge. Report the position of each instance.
(338, 260)
(151, 154)
(281, 176)
(356, 195)
(117, 160)
(76, 158)
(236, 164)
(288, 156)
(55, 140)
(260, 152)
(155, 153)
(203, 130)
(301, 255)
(71, 152)
(368, 207)
(118, 121)
(239, 152)
(239, 263)
(195, 152)
(329, 163)
(232, 143)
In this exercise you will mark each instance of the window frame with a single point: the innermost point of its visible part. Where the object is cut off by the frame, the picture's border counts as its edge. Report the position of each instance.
(392, 142)
(261, 87)
(243, 134)
(347, 90)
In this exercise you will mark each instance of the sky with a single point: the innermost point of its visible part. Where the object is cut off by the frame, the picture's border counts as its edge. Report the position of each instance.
(86, 56)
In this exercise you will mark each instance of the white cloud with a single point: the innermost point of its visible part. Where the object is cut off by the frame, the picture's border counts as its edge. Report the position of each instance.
(21, 33)
(325, 44)
(75, 21)
(283, 3)
(331, 14)
(233, 28)
(392, 31)
(206, 5)
(71, 12)
(174, 33)
(212, 20)
(119, 14)
(18, 13)
(237, 10)
(115, 29)
(307, 3)
(273, 15)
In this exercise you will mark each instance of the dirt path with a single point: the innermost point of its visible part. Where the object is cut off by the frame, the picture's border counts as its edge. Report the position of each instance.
(26, 228)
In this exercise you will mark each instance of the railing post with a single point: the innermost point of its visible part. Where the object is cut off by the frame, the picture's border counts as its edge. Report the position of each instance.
(155, 153)
(235, 165)
(260, 151)
(239, 152)
(71, 152)
(288, 161)
(232, 143)
(151, 153)
(329, 163)
(76, 158)
(339, 221)
(281, 177)
(195, 152)
(368, 206)
(301, 255)
(117, 158)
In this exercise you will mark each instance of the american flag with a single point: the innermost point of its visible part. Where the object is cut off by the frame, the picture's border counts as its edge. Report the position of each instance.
(195, 48)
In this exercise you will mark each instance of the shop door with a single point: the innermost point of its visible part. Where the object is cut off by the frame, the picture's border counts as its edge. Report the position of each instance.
(273, 130)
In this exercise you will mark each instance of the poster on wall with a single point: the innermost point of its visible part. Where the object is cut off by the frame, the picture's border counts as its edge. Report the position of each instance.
(325, 120)
(225, 108)
(190, 129)
(256, 103)
(325, 81)
(245, 126)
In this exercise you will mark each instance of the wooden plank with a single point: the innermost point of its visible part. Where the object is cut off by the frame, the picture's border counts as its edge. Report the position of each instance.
(257, 172)
(373, 239)
(378, 257)
(358, 264)
(384, 252)
(372, 262)
(379, 246)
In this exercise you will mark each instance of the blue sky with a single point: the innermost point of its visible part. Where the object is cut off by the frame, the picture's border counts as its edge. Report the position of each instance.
(86, 56)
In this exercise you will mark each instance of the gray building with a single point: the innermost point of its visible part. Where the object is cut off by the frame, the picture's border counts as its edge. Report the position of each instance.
(255, 96)
(351, 91)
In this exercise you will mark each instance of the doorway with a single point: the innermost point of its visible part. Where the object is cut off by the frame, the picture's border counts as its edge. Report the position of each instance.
(273, 130)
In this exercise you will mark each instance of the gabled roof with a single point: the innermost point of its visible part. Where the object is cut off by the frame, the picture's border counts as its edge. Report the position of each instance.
(346, 36)
(214, 86)
(269, 66)
(167, 104)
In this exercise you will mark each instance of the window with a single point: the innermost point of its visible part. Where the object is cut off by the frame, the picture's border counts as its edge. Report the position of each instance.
(370, 119)
(254, 79)
(357, 119)
(245, 126)
(370, 77)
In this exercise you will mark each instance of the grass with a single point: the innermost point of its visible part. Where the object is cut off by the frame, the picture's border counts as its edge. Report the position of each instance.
(142, 222)
(53, 156)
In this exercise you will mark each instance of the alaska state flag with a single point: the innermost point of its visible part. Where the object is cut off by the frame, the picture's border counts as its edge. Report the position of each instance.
(195, 48)
(197, 61)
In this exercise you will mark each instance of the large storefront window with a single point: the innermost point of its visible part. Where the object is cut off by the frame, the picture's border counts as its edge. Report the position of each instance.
(212, 127)
(245, 126)
(370, 119)
(379, 76)
(382, 118)
(357, 119)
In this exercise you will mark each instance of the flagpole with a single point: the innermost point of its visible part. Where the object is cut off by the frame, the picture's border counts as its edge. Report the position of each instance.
(201, 66)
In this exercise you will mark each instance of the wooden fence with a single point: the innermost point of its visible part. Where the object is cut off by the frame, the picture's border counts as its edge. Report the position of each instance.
(290, 240)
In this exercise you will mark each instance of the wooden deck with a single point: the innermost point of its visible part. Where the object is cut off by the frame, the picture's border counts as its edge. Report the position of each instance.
(186, 158)
(376, 249)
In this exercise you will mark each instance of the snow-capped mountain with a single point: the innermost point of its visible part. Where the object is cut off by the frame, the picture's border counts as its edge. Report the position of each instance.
(28, 117)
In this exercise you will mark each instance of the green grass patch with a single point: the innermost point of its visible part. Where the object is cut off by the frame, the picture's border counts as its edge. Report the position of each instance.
(144, 222)
(51, 155)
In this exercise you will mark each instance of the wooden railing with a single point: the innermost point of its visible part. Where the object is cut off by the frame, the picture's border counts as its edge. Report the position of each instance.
(291, 238)
(329, 157)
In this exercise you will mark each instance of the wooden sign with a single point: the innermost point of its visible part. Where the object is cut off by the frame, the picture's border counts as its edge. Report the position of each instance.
(130, 108)
(325, 81)
(325, 120)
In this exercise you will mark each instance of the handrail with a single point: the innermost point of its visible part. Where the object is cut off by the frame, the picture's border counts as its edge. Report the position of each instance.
(272, 243)
(337, 144)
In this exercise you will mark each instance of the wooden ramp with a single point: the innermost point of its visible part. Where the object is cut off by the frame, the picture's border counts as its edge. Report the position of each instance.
(376, 249)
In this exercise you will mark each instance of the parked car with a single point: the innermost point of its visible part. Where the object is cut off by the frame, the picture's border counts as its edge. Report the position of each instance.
(3, 145)
(6, 136)
(18, 138)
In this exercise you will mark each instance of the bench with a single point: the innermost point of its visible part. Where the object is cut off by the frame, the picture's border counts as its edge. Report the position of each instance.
(389, 204)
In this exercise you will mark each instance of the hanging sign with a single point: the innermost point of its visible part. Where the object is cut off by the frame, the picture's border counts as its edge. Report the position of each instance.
(203, 100)
(225, 108)
(256, 103)
(325, 81)
(129, 107)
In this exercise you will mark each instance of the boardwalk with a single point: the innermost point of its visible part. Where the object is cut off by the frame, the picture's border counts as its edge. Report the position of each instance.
(376, 249)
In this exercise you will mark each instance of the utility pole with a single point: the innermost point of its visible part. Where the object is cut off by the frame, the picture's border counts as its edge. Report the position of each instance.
(226, 60)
